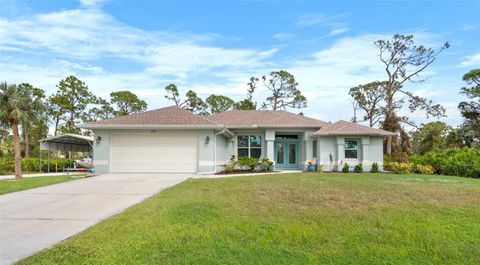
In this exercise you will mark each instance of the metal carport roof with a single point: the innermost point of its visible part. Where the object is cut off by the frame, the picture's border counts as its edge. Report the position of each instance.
(67, 142)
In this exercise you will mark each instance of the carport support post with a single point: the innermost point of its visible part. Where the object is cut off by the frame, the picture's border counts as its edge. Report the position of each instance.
(40, 159)
(48, 159)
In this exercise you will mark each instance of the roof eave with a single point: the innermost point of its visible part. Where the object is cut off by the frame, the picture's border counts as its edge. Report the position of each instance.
(271, 126)
(354, 133)
(150, 126)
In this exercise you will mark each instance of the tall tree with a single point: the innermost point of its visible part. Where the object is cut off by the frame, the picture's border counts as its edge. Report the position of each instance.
(248, 104)
(285, 93)
(195, 104)
(462, 136)
(126, 103)
(370, 98)
(15, 104)
(430, 136)
(71, 102)
(219, 103)
(100, 111)
(34, 128)
(471, 109)
(173, 95)
(192, 102)
(55, 111)
(404, 61)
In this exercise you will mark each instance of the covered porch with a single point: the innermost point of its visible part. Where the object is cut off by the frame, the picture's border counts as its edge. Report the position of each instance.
(290, 149)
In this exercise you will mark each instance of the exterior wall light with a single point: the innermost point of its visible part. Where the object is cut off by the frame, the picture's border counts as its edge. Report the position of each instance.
(207, 140)
(98, 139)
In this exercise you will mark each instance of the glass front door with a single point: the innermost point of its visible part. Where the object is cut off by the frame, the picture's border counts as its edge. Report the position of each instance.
(286, 154)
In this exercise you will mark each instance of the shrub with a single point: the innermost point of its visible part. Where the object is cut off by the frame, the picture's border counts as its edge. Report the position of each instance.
(463, 162)
(358, 168)
(423, 169)
(7, 164)
(229, 168)
(250, 162)
(346, 168)
(265, 163)
(374, 168)
(319, 168)
(400, 168)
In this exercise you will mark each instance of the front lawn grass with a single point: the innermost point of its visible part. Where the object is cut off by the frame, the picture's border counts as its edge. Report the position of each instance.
(12, 185)
(302, 218)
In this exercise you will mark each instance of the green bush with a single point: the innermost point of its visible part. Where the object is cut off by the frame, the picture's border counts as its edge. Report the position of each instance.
(358, 168)
(250, 162)
(374, 168)
(346, 168)
(7, 164)
(463, 162)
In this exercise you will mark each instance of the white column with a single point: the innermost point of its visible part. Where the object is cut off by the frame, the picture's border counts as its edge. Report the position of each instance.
(270, 138)
(340, 152)
(308, 152)
(365, 153)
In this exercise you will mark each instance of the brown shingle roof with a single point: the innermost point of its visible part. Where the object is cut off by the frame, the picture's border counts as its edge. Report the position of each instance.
(350, 128)
(264, 118)
(164, 116)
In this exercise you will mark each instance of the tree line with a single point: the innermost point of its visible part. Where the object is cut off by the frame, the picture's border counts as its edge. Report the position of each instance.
(283, 88)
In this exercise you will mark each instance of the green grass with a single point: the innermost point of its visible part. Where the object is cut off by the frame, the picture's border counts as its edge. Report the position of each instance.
(12, 185)
(298, 218)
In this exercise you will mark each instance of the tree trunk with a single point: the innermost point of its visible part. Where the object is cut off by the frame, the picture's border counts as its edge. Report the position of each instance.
(57, 120)
(389, 145)
(17, 151)
(26, 134)
(388, 119)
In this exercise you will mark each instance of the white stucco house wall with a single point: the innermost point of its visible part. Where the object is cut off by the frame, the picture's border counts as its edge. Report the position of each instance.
(173, 140)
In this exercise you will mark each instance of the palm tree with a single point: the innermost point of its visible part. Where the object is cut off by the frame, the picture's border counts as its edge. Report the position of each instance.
(15, 104)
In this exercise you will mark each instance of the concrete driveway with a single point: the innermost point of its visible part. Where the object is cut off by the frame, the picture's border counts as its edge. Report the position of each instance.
(35, 219)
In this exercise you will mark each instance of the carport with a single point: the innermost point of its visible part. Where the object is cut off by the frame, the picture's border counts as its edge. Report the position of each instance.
(67, 142)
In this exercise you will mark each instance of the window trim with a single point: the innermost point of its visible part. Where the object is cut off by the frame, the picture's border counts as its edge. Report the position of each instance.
(249, 147)
(345, 149)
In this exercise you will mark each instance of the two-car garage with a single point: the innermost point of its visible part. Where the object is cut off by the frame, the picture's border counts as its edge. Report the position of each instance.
(165, 152)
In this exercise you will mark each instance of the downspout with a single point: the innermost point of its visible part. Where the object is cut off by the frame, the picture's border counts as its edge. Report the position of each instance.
(215, 150)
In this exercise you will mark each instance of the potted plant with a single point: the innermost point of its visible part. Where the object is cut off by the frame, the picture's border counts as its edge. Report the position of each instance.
(311, 165)
(266, 164)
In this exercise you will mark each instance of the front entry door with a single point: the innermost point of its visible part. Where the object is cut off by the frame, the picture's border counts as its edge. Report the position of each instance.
(286, 154)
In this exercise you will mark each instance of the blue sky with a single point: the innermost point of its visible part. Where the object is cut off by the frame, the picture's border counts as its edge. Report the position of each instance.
(214, 47)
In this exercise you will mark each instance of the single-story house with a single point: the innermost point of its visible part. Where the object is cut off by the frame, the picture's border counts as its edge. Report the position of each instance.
(173, 140)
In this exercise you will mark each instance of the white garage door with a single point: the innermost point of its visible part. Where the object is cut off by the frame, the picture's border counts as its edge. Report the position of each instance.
(153, 152)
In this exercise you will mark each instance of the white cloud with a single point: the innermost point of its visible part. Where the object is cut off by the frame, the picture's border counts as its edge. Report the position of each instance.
(75, 41)
(472, 60)
(337, 31)
(283, 36)
(308, 20)
(92, 3)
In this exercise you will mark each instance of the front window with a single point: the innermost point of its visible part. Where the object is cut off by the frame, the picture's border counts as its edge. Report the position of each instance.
(249, 146)
(351, 148)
